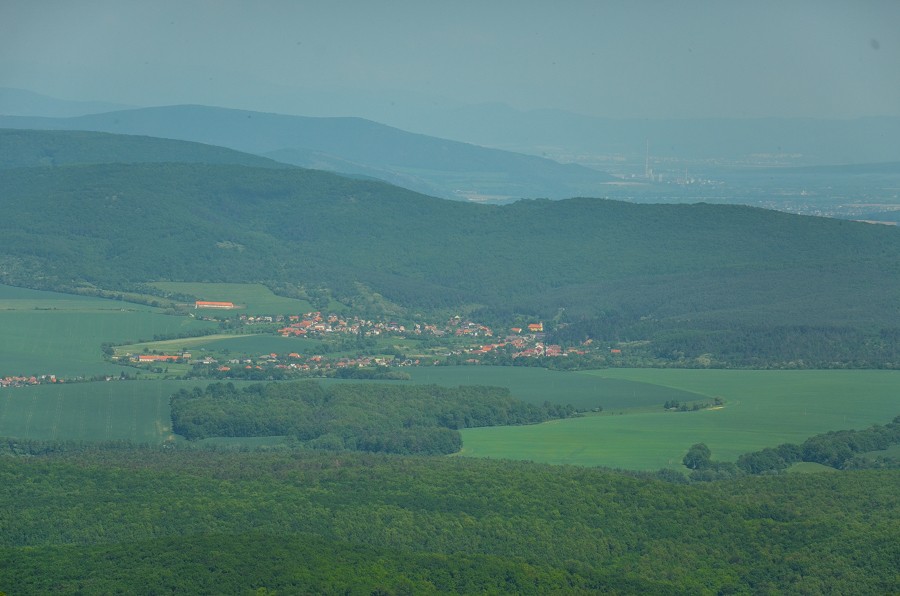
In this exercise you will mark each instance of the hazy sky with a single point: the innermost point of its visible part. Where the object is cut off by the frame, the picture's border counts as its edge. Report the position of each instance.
(752, 58)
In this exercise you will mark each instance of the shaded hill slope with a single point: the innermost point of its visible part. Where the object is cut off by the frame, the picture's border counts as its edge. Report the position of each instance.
(25, 148)
(440, 167)
(115, 224)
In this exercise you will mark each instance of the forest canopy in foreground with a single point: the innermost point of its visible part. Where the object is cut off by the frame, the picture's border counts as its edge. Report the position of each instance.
(205, 521)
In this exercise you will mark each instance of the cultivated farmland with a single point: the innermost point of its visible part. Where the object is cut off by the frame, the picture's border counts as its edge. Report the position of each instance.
(61, 334)
(136, 411)
(762, 409)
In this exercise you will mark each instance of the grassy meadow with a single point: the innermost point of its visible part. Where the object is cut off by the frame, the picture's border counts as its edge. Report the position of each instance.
(250, 298)
(762, 409)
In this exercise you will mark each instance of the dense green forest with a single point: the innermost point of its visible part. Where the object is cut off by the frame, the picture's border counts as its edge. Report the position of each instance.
(746, 286)
(419, 419)
(155, 521)
(24, 148)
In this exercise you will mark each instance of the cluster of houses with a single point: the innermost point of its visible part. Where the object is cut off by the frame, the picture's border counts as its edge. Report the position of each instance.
(526, 347)
(526, 341)
(15, 381)
(315, 323)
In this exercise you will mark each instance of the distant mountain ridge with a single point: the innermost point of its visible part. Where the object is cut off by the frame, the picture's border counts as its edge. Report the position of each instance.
(20, 102)
(448, 169)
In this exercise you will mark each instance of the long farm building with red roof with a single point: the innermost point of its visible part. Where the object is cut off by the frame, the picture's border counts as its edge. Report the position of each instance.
(210, 304)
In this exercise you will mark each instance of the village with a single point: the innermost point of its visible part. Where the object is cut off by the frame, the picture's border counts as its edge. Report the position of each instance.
(346, 346)
(25, 381)
(356, 347)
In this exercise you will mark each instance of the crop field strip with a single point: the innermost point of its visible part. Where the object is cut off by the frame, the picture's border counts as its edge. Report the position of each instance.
(66, 341)
(136, 411)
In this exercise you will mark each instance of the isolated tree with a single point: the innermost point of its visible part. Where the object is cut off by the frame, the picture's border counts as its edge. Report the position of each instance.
(697, 457)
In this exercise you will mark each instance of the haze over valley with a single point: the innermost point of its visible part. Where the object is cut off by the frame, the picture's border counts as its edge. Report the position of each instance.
(478, 298)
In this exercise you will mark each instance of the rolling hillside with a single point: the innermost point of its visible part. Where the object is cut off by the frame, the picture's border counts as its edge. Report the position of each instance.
(733, 281)
(125, 223)
(439, 167)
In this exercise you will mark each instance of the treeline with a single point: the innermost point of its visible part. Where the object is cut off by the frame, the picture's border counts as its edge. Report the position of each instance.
(783, 346)
(418, 419)
(730, 344)
(194, 521)
(842, 450)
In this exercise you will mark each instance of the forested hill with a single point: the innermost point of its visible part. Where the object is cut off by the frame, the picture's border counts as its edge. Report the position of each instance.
(449, 169)
(123, 223)
(24, 148)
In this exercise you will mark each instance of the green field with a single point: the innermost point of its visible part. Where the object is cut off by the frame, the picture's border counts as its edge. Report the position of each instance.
(136, 411)
(18, 299)
(62, 334)
(762, 409)
(252, 298)
(118, 410)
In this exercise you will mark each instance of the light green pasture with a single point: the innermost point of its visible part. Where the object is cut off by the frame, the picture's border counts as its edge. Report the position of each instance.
(762, 409)
(252, 298)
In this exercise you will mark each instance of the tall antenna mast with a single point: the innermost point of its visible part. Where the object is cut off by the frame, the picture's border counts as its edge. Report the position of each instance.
(647, 162)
